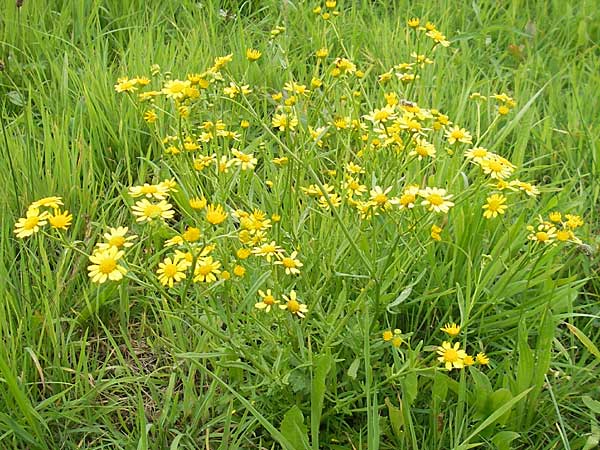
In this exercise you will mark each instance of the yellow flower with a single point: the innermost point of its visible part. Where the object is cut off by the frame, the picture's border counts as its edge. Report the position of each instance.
(268, 300)
(482, 359)
(175, 89)
(555, 217)
(436, 199)
(60, 220)
(191, 234)
(496, 204)
(451, 356)
(451, 329)
(126, 84)
(116, 238)
(477, 154)
(150, 116)
(322, 53)
(457, 134)
(435, 233)
(414, 22)
(268, 251)
(215, 214)
(574, 221)
(290, 263)
(158, 191)
(284, 122)
(147, 212)
(246, 161)
(468, 361)
(31, 223)
(293, 305)
(206, 270)
(409, 197)
(422, 149)
(197, 203)
(243, 253)
(171, 271)
(281, 161)
(253, 55)
(244, 124)
(105, 265)
(497, 167)
(388, 335)
(51, 202)
(239, 271)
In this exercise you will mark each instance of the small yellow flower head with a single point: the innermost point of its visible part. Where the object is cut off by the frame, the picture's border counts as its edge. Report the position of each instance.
(267, 301)
(116, 237)
(436, 199)
(451, 355)
(331, 4)
(60, 220)
(414, 22)
(206, 270)
(388, 335)
(290, 263)
(322, 53)
(147, 211)
(555, 217)
(244, 124)
(31, 223)
(198, 203)
(215, 214)
(468, 361)
(503, 110)
(50, 202)
(496, 204)
(293, 305)
(482, 359)
(225, 275)
(239, 271)
(253, 54)
(275, 218)
(105, 265)
(150, 116)
(243, 253)
(191, 234)
(451, 329)
(171, 271)
(573, 221)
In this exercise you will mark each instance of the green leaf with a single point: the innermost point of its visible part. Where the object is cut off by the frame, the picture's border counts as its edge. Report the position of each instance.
(498, 399)
(353, 369)
(395, 418)
(503, 439)
(410, 386)
(594, 405)
(586, 341)
(322, 364)
(496, 415)
(293, 428)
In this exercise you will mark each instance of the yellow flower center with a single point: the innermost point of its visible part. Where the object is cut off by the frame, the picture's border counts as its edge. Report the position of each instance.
(479, 153)
(421, 150)
(451, 355)
(494, 204)
(152, 211)
(288, 262)
(204, 270)
(562, 235)
(170, 270)
(435, 199)
(31, 223)
(407, 199)
(149, 189)
(542, 236)
(495, 166)
(269, 300)
(107, 265)
(293, 306)
(116, 241)
(380, 199)
(457, 134)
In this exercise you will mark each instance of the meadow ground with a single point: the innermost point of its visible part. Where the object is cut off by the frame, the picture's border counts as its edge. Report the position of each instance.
(292, 224)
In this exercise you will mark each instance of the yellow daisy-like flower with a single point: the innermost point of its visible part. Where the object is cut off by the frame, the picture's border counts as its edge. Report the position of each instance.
(215, 214)
(555, 217)
(60, 220)
(477, 154)
(31, 223)
(496, 204)
(125, 84)
(50, 202)
(544, 234)
(158, 191)
(380, 199)
(423, 149)
(116, 237)
(147, 211)
(206, 270)
(497, 167)
(436, 199)
(191, 234)
(198, 203)
(267, 301)
(253, 54)
(573, 221)
(268, 251)
(451, 329)
(246, 161)
(293, 305)
(239, 271)
(290, 263)
(150, 116)
(171, 271)
(468, 361)
(451, 355)
(105, 265)
(482, 359)
(528, 188)
(176, 89)
(457, 134)
(284, 122)
(387, 335)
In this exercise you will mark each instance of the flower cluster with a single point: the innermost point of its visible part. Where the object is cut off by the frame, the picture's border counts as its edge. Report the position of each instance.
(452, 356)
(42, 212)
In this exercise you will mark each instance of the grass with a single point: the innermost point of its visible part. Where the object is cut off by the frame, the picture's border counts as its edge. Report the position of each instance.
(137, 365)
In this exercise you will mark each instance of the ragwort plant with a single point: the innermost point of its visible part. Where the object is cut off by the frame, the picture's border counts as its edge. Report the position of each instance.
(340, 244)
